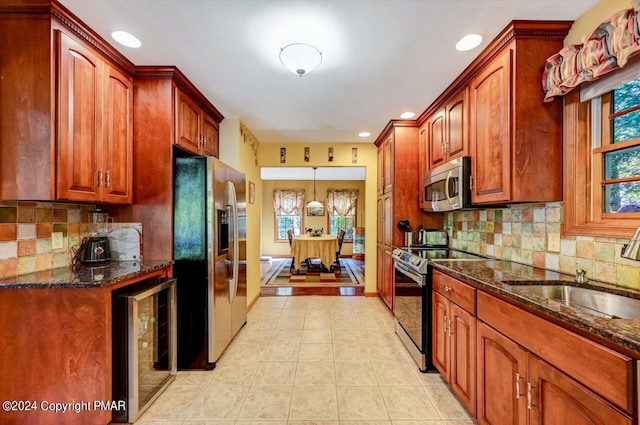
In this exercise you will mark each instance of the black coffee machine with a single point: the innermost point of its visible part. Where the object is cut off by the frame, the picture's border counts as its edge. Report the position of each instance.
(95, 248)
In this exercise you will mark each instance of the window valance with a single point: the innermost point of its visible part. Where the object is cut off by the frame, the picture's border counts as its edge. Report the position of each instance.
(342, 201)
(607, 48)
(288, 201)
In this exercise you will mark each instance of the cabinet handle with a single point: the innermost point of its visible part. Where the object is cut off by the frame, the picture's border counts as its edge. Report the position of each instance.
(382, 182)
(518, 395)
(471, 183)
(530, 404)
(107, 176)
(100, 178)
(444, 147)
(444, 325)
(450, 327)
(204, 140)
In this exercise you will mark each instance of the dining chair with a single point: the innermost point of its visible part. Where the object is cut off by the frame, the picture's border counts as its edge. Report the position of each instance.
(341, 234)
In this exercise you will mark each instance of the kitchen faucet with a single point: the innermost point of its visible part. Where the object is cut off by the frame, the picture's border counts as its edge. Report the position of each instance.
(632, 249)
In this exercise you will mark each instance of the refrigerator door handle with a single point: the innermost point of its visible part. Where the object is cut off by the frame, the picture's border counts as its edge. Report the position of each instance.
(233, 206)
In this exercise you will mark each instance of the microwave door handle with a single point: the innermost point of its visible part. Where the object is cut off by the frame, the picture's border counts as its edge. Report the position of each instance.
(446, 186)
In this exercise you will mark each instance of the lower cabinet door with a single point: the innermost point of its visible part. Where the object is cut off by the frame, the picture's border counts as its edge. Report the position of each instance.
(502, 380)
(440, 343)
(556, 399)
(462, 337)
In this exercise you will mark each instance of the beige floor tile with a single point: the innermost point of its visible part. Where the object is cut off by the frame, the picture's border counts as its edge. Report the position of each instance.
(285, 352)
(446, 403)
(234, 373)
(395, 374)
(218, 403)
(430, 378)
(408, 403)
(196, 422)
(174, 404)
(350, 352)
(365, 423)
(315, 374)
(361, 403)
(255, 423)
(315, 322)
(254, 335)
(316, 422)
(316, 336)
(384, 352)
(199, 377)
(275, 374)
(265, 403)
(345, 335)
(315, 352)
(243, 352)
(314, 403)
(286, 335)
(352, 374)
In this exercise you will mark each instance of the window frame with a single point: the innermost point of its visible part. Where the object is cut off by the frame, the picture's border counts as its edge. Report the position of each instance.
(583, 167)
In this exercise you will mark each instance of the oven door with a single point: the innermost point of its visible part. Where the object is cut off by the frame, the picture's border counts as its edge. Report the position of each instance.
(410, 299)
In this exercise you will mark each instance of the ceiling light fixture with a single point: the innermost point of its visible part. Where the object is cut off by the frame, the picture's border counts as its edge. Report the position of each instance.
(314, 203)
(468, 42)
(407, 115)
(364, 134)
(300, 58)
(126, 39)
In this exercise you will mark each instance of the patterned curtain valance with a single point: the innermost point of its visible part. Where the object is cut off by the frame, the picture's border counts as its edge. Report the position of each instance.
(607, 48)
(342, 201)
(288, 201)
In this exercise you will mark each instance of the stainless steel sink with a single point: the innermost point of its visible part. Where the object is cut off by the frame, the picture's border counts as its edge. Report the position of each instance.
(598, 303)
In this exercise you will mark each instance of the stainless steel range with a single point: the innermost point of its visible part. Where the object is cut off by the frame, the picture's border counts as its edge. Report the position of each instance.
(412, 306)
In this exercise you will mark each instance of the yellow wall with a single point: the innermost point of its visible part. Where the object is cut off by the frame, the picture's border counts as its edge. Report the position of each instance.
(367, 157)
(590, 20)
(273, 248)
(244, 157)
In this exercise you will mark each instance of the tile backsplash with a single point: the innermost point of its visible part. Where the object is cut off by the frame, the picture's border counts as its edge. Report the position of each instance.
(25, 235)
(532, 234)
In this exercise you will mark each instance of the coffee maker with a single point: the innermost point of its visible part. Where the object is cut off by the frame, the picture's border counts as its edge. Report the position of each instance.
(95, 248)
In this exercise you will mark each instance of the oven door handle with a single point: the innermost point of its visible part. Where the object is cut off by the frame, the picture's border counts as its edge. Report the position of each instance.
(407, 272)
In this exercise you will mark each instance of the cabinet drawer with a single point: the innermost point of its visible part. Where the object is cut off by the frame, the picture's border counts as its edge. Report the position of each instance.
(458, 292)
(603, 370)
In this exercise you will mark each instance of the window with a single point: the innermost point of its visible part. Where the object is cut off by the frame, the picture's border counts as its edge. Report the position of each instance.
(602, 156)
(288, 205)
(341, 210)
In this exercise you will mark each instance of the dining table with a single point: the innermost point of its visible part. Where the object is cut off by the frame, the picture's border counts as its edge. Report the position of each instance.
(323, 247)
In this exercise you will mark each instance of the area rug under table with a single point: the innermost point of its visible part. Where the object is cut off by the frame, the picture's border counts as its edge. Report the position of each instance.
(340, 277)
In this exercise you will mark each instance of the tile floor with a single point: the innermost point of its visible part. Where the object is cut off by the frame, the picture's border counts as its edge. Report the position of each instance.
(324, 360)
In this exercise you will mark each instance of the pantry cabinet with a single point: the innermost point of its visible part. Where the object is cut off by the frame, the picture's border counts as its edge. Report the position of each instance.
(94, 141)
(454, 336)
(66, 122)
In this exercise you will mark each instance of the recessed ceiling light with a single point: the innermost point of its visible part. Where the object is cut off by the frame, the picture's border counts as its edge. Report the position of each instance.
(364, 134)
(126, 39)
(407, 115)
(468, 42)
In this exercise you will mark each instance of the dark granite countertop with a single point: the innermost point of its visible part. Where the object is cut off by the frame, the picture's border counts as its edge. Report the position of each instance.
(506, 278)
(84, 277)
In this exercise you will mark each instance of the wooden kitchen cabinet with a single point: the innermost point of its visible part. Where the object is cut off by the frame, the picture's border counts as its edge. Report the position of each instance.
(95, 134)
(447, 131)
(196, 132)
(66, 131)
(516, 386)
(454, 336)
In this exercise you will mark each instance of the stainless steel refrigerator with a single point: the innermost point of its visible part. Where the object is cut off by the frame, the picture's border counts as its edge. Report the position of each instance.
(210, 257)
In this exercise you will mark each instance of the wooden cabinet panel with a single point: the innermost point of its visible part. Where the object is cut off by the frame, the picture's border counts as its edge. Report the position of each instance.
(439, 331)
(387, 220)
(380, 180)
(79, 108)
(187, 123)
(388, 164)
(462, 335)
(437, 139)
(458, 292)
(490, 131)
(556, 399)
(117, 138)
(387, 279)
(502, 379)
(602, 369)
(457, 123)
(210, 136)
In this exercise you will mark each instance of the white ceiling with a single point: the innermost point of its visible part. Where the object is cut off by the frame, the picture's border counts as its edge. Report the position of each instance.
(306, 173)
(380, 57)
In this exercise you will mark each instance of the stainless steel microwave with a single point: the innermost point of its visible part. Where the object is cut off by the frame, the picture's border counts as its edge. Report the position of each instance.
(448, 187)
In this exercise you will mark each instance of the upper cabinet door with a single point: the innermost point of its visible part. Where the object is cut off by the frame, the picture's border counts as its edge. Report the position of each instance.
(209, 136)
(117, 137)
(457, 126)
(79, 113)
(388, 164)
(187, 123)
(491, 131)
(437, 139)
